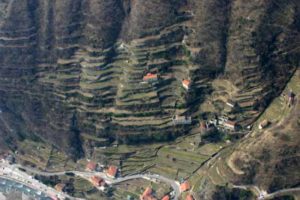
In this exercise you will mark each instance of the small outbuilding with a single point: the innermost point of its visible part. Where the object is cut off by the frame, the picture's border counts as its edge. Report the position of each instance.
(150, 78)
(112, 171)
(185, 186)
(230, 125)
(263, 124)
(91, 166)
(186, 84)
(231, 103)
(183, 120)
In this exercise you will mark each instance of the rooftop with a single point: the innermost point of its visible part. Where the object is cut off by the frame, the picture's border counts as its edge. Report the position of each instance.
(186, 83)
(189, 197)
(185, 186)
(167, 197)
(150, 76)
(147, 195)
(231, 123)
(96, 180)
(91, 166)
(112, 171)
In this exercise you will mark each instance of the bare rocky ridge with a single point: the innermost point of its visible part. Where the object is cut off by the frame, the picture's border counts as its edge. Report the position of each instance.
(70, 70)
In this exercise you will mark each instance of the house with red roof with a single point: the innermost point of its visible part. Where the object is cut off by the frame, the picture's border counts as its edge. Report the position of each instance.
(230, 125)
(97, 181)
(150, 77)
(91, 166)
(112, 171)
(166, 197)
(148, 194)
(185, 186)
(186, 84)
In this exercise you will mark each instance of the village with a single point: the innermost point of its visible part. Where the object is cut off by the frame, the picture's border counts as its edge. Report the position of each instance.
(105, 177)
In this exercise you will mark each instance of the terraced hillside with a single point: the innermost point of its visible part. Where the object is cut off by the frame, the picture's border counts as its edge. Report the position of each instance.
(71, 71)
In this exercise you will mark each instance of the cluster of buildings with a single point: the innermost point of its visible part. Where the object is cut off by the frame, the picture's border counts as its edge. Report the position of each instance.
(111, 171)
(221, 122)
(148, 194)
(154, 78)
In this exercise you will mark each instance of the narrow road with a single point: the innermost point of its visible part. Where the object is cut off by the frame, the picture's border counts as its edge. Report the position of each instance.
(87, 175)
(12, 173)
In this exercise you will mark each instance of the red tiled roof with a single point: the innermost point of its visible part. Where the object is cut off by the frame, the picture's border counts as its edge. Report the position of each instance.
(185, 186)
(186, 82)
(203, 125)
(91, 166)
(150, 76)
(167, 197)
(96, 180)
(147, 195)
(189, 197)
(112, 171)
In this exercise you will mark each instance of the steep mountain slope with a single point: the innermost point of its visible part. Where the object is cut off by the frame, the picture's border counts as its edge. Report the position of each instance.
(265, 161)
(71, 70)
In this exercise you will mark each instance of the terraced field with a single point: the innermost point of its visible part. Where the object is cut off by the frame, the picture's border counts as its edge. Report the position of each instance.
(72, 71)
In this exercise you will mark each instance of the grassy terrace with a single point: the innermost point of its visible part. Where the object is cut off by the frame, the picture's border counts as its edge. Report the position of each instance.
(178, 159)
(94, 138)
(34, 153)
(219, 172)
(279, 109)
(135, 188)
(143, 122)
(43, 156)
(138, 96)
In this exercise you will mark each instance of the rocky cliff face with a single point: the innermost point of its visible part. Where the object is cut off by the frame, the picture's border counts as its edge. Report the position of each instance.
(71, 70)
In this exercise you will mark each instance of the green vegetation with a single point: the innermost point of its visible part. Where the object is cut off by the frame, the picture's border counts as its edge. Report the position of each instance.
(135, 188)
(34, 153)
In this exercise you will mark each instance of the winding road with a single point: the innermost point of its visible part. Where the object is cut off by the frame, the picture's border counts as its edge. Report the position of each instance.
(87, 175)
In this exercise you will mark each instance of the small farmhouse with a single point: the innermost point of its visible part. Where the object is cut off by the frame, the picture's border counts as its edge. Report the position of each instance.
(150, 78)
(183, 120)
(263, 124)
(186, 84)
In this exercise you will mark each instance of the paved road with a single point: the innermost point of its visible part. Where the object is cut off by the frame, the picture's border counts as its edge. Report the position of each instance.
(14, 174)
(87, 175)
